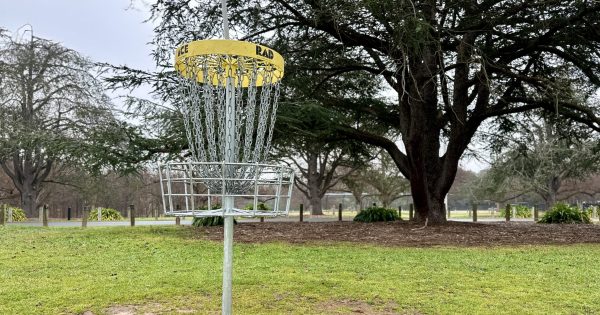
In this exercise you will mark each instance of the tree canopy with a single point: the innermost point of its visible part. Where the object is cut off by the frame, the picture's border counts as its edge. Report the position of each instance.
(53, 113)
(452, 65)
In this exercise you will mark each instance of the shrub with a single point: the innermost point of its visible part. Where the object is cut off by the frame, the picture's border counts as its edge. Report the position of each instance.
(520, 212)
(376, 214)
(18, 215)
(260, 206)
(108, 214)
(212, 207)
(210, 221)
(563, 213)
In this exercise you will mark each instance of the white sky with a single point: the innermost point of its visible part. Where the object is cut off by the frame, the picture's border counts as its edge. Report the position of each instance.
(104, 30)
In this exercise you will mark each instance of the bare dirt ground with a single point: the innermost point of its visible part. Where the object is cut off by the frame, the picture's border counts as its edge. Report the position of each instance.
(402, 233)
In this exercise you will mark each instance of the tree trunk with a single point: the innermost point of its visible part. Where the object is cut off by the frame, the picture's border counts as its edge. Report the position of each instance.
(315, 205)
(29, 200)
(553, 186)
(314, 184)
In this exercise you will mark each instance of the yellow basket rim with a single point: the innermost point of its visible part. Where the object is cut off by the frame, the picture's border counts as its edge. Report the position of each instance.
(228, 47)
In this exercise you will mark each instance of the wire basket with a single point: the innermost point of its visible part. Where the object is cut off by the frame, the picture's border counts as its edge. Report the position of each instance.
(197, 189)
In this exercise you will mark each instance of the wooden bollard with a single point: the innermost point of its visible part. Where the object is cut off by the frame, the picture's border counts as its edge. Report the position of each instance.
(411, 209)
(9, 214)
(45, 216)
(400, 212)
(301, 212)
(2, 212)
(536, 214)
(131, 215)
(507, 213)
(178, 218)
(340, 212)
(474, 209)
(84, 217)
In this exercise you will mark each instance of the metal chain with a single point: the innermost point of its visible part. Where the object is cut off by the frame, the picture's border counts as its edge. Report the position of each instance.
(204, 115)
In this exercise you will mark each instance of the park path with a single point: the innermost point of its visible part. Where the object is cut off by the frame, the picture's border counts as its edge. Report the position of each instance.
(151, 222)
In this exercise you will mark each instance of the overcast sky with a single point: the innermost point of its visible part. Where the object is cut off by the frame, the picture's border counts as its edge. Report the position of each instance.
(104, 30)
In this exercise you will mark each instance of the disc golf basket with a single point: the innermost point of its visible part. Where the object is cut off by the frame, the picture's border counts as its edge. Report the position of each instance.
(230, 91)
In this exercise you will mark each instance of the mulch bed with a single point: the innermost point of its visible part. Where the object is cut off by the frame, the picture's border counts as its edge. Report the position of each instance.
(402, 233)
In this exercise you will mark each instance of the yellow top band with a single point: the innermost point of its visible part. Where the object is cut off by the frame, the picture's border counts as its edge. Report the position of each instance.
(269, 63)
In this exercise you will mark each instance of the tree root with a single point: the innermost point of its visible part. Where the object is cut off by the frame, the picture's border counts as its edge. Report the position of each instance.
(423, 227)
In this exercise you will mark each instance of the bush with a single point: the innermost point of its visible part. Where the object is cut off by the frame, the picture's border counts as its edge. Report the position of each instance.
(212, 207)
(565, 214)
(376, 214)
(18, 215)
(210, 221)
(520, 212)
(108, 214)
(260, 206)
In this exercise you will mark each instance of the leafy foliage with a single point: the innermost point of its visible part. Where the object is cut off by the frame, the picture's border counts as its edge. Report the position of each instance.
(520, 212)
(18, 215)
(107, 214)
(376, 214)
(260, 206)
(210, 221)
(565, 214)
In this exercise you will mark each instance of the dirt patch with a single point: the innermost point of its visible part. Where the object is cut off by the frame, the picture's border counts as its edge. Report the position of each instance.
(402, 233)
(144, 309)
(359, 307)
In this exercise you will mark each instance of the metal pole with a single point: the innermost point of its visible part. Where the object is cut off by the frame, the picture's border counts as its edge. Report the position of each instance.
(228, 202)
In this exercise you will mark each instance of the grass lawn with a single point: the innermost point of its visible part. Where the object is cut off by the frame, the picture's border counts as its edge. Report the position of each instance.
(165, 270)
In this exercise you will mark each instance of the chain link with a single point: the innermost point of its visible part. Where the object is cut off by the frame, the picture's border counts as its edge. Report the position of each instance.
(204, 114)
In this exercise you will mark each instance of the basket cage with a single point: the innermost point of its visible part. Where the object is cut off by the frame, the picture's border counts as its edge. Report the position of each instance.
(187, 192)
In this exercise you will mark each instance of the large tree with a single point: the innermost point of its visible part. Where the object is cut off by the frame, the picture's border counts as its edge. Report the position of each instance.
(541, 160)
(453, 65)
(52, 109)
(320, 165)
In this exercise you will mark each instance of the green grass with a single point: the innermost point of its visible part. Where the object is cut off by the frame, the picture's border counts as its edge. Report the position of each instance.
(69, 270)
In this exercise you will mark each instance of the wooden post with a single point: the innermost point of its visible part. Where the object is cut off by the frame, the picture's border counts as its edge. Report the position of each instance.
(131, 215)
(177, 218)
(69, 214)
(474, 209)
(400, 212)
(99, 211)
(45, 216)
(507, 213)
(411, 209)
(301, 212)
(84, 216)
(156, 214)
(2, 211)
(536, 214)
(9, 214)
(340, 212)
